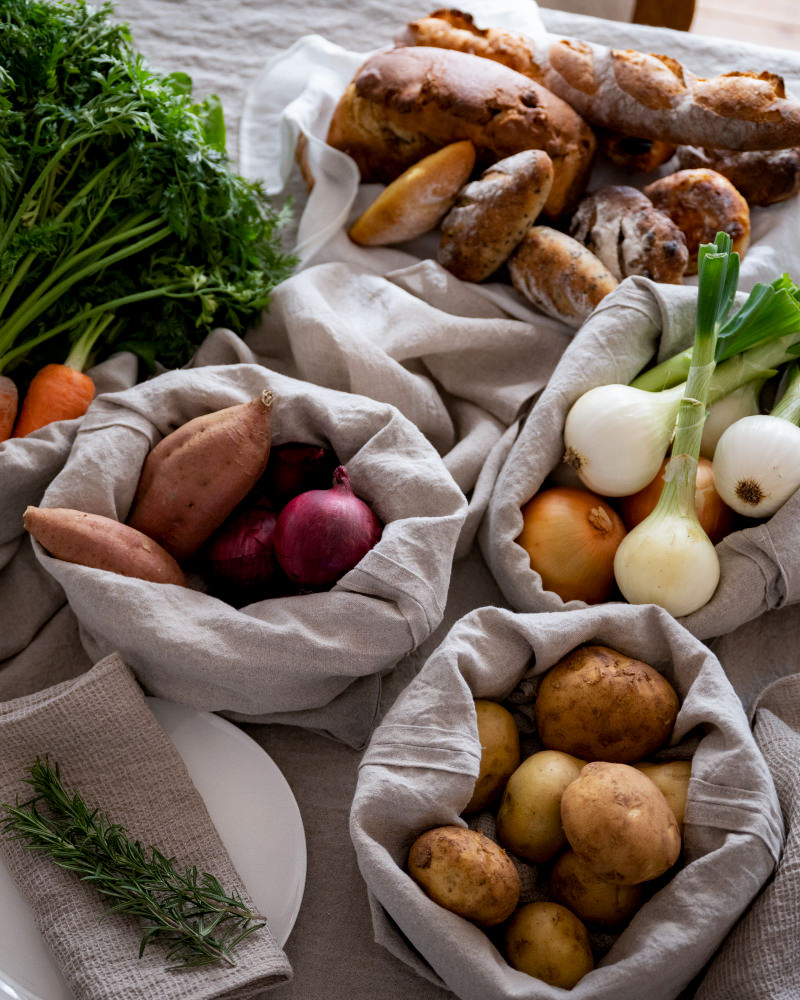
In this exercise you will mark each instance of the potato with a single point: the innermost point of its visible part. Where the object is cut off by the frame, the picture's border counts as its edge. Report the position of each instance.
(529, 816)
(499, 738)
(618, 820)
(465, 872)
(548, 941)
(197, 474)
(672, 777)
(593, 899)
(599, 704)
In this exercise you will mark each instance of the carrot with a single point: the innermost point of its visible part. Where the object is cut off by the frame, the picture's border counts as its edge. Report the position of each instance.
(9, 401)
(56, 392)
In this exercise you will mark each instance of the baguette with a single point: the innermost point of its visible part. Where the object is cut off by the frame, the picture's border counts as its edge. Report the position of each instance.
(645, 95)
(405, 103)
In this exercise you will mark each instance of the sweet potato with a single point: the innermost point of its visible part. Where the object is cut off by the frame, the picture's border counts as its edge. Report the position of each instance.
(102, 543)
(195, 476)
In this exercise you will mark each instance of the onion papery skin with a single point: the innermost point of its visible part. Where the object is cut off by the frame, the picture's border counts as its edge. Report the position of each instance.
(296, 467)
(616, 436)
(758, 456)
(240, 555)
(571, 536)
(322, 534)
(716, 518)
(669, 561)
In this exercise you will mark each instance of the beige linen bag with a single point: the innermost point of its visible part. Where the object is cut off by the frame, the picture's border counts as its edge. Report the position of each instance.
(313, 660)
(760, 569)
(422, 760)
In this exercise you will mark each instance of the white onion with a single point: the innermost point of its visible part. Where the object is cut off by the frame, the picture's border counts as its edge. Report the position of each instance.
(742, 402)
(616, 436)
(757, 464)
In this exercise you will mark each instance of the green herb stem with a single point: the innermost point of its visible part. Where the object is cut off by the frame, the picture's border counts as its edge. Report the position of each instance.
(788, 406)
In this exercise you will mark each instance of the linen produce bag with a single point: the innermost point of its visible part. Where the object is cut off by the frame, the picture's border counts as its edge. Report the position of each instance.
(422, 761)
(314, 659)
(759, 565)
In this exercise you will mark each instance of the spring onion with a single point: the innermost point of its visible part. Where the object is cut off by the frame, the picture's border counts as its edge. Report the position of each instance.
(668, 559)
(757, 459)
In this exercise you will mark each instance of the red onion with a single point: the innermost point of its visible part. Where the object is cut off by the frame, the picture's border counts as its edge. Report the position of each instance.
(295, 468)
(321, 534)
(241, 552)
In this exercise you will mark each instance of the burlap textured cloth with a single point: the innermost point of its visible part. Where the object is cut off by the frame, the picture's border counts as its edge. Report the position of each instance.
(109, 747)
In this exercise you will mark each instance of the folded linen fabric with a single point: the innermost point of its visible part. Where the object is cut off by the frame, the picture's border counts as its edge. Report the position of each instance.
(109, 747)
(419, 770)
(759, 565)
(759, 959)
(314, 659)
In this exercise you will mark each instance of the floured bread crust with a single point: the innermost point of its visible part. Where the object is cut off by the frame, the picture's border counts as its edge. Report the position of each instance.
(622, 227)
(642, 94)
(405, 103)
(762, 177)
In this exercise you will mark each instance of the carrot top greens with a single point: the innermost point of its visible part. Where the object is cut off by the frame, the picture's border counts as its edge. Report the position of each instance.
(117, 198)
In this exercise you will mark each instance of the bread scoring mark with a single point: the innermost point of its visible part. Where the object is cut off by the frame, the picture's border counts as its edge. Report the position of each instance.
(656, 81)
(574, 61)
(751, 96)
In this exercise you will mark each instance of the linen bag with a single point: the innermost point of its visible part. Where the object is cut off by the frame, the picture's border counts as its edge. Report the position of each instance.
(759, 565)
(422, 761)
(315, 659)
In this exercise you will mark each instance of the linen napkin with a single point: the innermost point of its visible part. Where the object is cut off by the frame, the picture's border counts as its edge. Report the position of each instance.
(420, 767)
(110, 748)
(759, 565)
(759, 958)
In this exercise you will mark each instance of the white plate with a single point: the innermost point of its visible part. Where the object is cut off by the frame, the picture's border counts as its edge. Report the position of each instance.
(235, 777)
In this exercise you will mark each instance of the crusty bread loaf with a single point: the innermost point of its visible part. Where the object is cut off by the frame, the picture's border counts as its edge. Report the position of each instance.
(702, 203)
(641, 94)
(762, 177)
(622, 227)
(415, 202)
(491, 214)
(559, 275)
(633, 154)
(405, 103)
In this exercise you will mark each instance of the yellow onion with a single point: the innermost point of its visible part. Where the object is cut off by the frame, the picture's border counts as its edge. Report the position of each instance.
(571, 536)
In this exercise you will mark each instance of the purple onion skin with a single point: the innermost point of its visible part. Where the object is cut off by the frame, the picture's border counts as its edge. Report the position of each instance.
(294, 468)
(322, 534)
(240, 555)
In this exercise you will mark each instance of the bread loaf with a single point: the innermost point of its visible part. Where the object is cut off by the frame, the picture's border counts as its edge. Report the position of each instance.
(762, 177)
(491, 214)
(646, 95)
(407, 102)
(415, 202)
(622, 227)
(559, 275)
(702, 203)
(631, 153)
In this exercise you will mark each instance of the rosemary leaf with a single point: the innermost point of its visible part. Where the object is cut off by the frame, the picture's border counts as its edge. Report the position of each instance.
(190, 913)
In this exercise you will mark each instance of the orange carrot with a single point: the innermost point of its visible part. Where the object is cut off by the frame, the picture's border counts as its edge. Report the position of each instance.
(56, 392)
(9, 400)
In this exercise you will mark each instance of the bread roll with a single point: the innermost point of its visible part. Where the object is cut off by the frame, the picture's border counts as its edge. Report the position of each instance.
(762, 177)
(491, 214)
(559, 275)
(405, 103)
(631, 153)
(415, 202)
(622, 227)
(647, 95)
(702, 203)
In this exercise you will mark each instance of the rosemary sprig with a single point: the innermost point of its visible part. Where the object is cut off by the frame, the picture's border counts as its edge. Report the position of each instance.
(191, 913)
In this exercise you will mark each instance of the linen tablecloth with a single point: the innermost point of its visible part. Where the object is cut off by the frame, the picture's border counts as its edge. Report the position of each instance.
(224, 47)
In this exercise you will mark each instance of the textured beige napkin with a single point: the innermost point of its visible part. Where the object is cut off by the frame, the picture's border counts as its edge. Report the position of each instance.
(759, 958)
(110, 748)
(759, 565)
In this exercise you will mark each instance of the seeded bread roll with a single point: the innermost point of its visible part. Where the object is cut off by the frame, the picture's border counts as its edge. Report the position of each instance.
(647, 95)
(407, 102)
(559, 275)
(415, 202)
(622, 227)
(491, 214)
(702, 203)
(762, 177)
